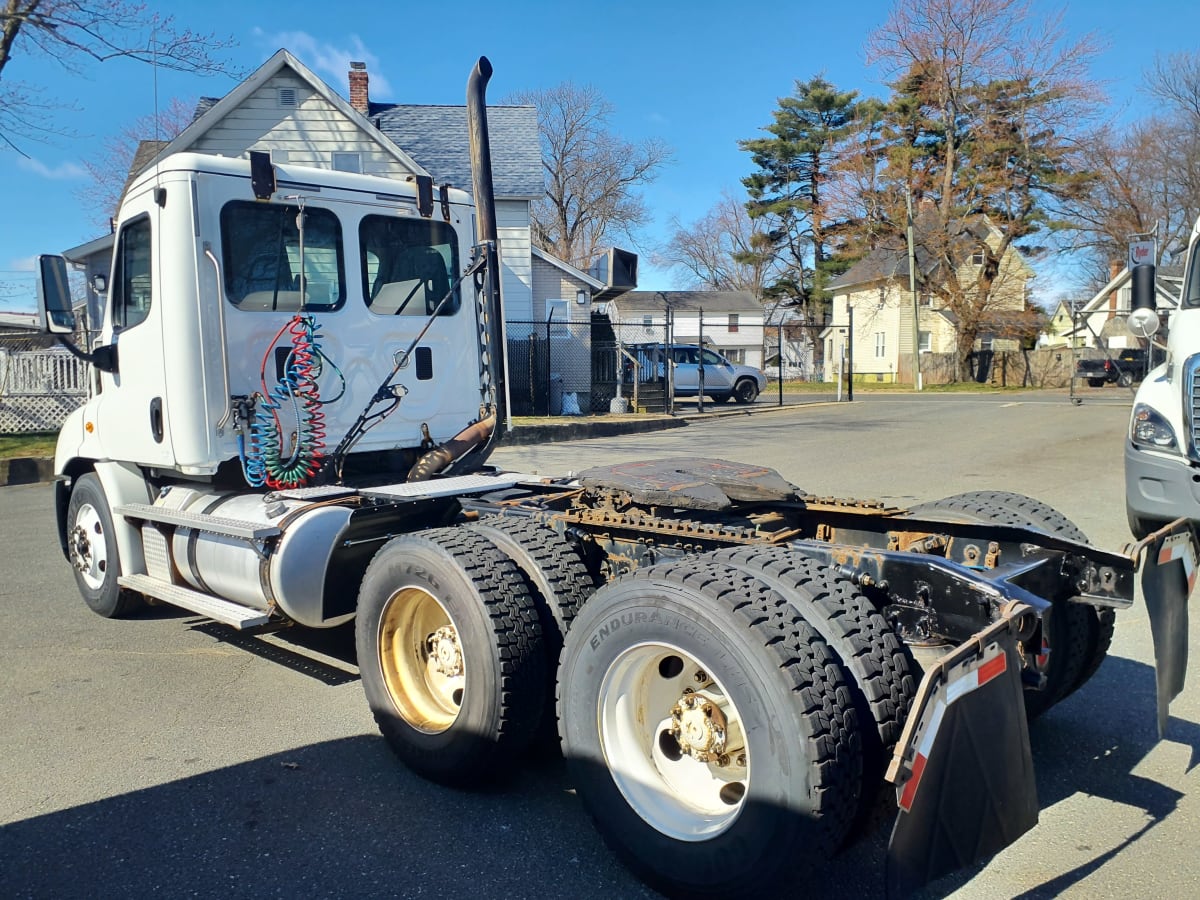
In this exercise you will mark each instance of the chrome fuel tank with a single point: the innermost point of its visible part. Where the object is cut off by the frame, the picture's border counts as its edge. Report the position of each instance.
(288, 572)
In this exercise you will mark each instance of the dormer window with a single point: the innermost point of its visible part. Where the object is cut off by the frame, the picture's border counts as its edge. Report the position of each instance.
(287, 97)
(977, 258)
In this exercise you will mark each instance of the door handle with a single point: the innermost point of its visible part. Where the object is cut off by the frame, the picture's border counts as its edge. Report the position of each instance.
(156, 419)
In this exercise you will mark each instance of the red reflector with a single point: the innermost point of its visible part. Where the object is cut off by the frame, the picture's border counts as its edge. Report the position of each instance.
(992, 668)
(910, 786)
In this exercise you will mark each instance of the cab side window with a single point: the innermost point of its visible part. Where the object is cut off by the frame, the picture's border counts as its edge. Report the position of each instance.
(264, 252)
(408, 266)
(132, 284)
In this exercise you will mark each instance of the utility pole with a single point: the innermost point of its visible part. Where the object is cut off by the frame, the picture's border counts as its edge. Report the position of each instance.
(912, 287)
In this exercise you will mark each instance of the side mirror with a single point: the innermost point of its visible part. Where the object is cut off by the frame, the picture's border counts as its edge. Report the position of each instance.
(1143, 322)
(55, 315)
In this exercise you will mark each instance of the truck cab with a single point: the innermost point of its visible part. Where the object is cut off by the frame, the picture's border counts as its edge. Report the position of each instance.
(208, 279)
(1162, 450)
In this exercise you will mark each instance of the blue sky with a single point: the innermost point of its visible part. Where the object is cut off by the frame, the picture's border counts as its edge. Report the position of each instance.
(700, 75)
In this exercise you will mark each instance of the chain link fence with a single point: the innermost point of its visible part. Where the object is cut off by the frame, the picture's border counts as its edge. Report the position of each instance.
(599, 367)
(1107, 360)
(40, 383)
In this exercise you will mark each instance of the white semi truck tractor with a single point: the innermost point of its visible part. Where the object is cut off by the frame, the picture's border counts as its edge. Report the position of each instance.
(298, 382)
(1162, 454)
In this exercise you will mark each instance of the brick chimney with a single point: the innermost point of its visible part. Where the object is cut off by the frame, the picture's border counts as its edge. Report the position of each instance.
(360, 97)
(1114, 269)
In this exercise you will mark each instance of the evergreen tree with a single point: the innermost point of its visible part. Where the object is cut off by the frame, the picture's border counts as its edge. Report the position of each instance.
(795, 165)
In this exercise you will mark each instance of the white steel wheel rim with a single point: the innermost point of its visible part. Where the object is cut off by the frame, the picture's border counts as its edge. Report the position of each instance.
(89, 546)
(677, 794)
(417, 640)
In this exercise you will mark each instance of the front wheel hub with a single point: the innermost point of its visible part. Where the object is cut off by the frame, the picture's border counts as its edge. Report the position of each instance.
(89, 547)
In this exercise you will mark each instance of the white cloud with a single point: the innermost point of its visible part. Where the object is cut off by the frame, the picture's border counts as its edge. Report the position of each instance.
(61, 172)
(329, 60)
(23, 264)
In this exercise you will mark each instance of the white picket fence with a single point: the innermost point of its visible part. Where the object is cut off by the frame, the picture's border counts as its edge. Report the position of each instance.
(38, 388)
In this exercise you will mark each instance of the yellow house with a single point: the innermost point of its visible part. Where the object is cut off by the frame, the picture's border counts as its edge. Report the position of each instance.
(886, 314)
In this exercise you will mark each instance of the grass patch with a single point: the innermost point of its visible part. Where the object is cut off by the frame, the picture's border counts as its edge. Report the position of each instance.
(868, 387)
(33, 444)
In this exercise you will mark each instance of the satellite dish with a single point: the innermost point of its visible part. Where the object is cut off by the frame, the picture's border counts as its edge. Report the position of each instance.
(1143, 323)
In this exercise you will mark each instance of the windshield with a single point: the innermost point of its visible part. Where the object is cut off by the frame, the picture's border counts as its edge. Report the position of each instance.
(1191, 290)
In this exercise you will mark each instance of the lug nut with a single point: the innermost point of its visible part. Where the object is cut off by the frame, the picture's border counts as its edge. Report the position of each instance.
(701, 676)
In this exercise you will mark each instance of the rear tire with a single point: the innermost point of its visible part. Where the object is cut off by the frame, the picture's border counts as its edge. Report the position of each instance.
(92, 548)
(557, 580)
(450, 653)
(1088, 630)
(1125, 379)
(875, 662)
(768, 701)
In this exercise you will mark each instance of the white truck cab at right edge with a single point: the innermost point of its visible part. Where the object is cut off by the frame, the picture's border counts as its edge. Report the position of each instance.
(1162, 453)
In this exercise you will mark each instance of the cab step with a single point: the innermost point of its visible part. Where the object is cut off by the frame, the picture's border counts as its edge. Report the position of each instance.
(237, 528)
(240, 617)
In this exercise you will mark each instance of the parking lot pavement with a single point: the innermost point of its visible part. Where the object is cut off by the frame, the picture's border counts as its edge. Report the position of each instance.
(166, 755)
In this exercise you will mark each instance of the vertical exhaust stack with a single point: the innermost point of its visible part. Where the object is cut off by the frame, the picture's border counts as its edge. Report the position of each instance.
(468, 450)
(485, 219)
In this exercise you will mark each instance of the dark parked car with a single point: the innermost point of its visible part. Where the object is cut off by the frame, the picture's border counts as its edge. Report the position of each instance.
(1129, 367)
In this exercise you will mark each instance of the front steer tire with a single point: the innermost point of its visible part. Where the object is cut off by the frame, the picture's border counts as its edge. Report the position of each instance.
(450, 654)
(769, 811)
(92, 549)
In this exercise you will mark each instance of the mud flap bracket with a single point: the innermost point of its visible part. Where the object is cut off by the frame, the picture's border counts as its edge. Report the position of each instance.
(963, 769)
(1169, 566)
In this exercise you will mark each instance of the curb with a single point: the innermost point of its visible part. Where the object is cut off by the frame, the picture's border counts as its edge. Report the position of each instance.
(25, 470)
(525, 435)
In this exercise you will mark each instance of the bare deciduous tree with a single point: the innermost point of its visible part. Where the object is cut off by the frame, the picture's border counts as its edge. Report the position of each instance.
(108, 168)
(1146, 175)
(73, 32)
(592, 174)
(723, 250)
(994, 99)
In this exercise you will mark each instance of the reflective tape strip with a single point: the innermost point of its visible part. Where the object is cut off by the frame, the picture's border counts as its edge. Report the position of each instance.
(1179, 547)
(989, 668)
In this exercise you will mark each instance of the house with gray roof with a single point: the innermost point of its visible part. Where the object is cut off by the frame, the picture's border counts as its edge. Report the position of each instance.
(1100, 322)
(877, 289)
(286, 109)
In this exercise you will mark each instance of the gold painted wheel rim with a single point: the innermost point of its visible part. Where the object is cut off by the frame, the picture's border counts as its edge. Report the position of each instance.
(421, 659)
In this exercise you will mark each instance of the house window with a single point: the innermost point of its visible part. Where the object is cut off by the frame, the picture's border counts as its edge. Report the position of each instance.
(347, 162)
(647, 321)
(558, 311)
(736, 355)
(925, 342)
(977, 258)
(926, 298)
(287, 97)
(880, 344)
(733, 322)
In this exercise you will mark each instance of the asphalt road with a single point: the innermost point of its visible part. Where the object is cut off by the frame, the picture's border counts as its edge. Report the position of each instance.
(162, 755)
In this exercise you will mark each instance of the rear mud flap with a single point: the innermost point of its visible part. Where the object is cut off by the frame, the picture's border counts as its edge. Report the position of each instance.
(963, 769)
(1168, 576)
